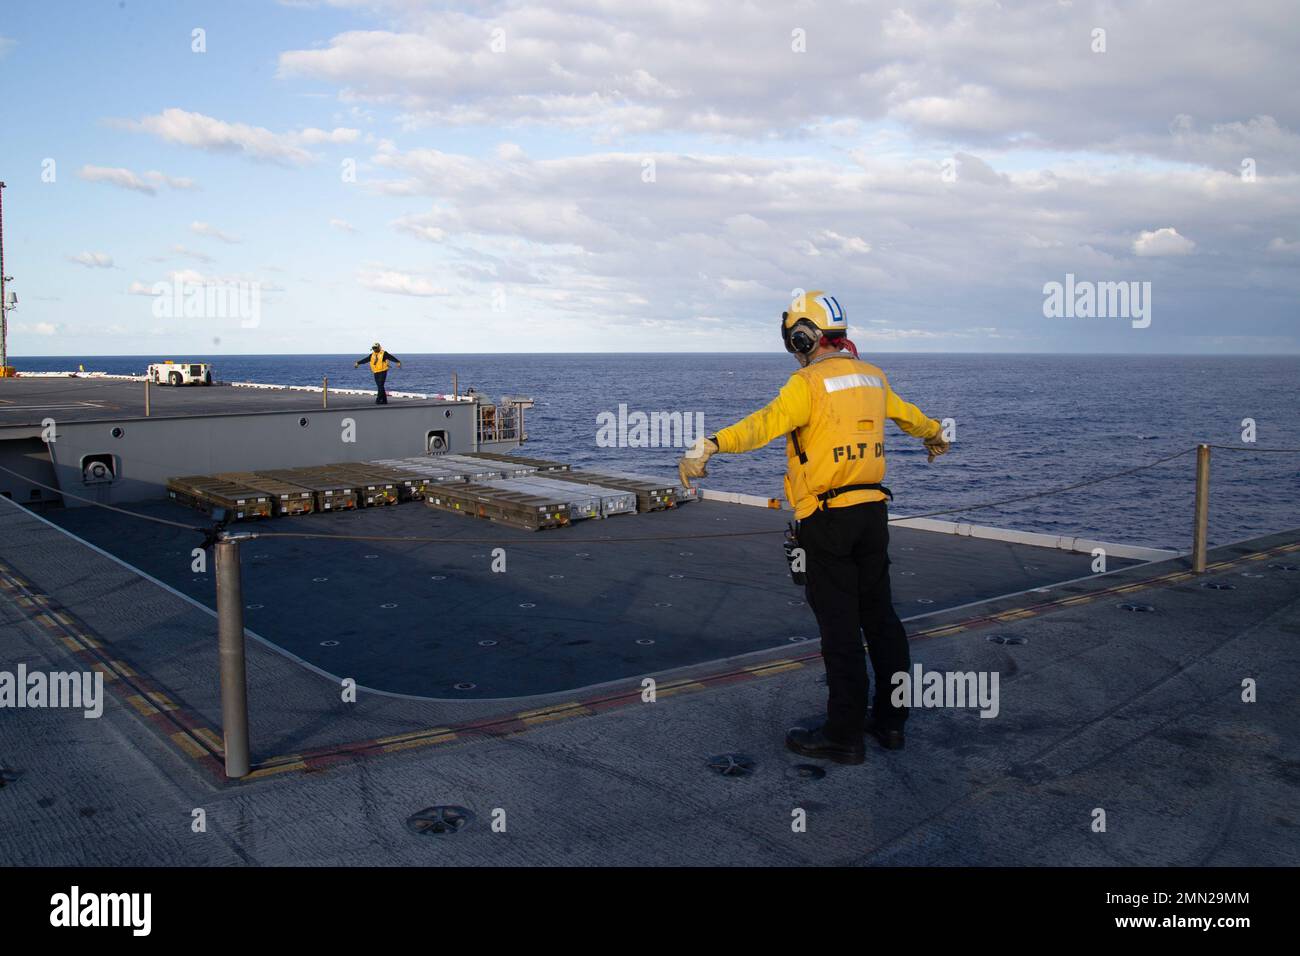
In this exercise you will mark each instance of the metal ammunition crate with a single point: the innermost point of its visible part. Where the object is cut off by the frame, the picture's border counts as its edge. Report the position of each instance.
(207, 493)
(652, 494)
(410, 486)
(607, 501)
(373, 487)
(531, 511)
(583, 500)
(332, 493)
(421, 470)
(288, 498)
(541, 464)
(478, 469)
(463, 468)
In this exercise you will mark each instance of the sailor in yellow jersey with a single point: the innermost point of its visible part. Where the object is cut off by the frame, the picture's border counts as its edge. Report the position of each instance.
(378, 360)
(832, 412)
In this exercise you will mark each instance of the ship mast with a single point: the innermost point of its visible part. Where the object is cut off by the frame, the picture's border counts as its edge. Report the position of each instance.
(4, 302)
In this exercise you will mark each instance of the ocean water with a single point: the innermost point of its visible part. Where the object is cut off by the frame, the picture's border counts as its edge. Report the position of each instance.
(1024, 424)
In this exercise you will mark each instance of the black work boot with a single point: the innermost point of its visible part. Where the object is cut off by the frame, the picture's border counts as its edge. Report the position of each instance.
(891, 738)
(813, 743)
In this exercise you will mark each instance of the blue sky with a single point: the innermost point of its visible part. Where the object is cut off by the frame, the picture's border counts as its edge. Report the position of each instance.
(934, 165)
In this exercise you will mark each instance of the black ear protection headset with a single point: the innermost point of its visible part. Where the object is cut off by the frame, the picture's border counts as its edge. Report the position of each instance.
(798, 340)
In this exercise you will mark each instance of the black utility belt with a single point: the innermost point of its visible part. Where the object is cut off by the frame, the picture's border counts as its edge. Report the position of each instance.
(826, 496)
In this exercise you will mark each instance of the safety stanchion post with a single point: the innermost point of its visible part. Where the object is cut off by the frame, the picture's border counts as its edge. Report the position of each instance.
(146, 395)
(230, 642)
(1201, 525)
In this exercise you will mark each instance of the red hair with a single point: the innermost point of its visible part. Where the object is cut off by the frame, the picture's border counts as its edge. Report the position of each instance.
(839, 342)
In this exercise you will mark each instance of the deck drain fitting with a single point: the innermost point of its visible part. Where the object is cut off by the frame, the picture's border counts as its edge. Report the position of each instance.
(662, 604)
(797, 640)
(465, 685)
(320, 580)
(369, 556)
(1138, 608)
(439, 821)
(1285, 567)
(685, 554)
(645, 640)
(1006, 639)
(583, 554)
(253, 607)
(528, 605)
(677, 577)
(1219, 586)
(1250, 574)
(924, 600)
(555, 577)
(487, 643)
(388, 606)
(437, 577)
(732, 765)
(329, 643)
(795, 603)
(807, 771)
(908, 574)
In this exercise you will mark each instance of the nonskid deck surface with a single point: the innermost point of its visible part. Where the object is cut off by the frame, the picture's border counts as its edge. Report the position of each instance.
(574, 607)
(1140, 714)
(27, 401)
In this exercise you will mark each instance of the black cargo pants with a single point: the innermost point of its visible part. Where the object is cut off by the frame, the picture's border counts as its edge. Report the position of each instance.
(848, 590)
(381, 398)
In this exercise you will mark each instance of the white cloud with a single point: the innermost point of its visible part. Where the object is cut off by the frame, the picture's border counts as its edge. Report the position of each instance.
(93, 260)
(343, 225)
(145, 183)
(1163, 242)
(208, 133)
(1285, 246)
(394, 282)
(979, 73)
(212, 232)
(34, 328)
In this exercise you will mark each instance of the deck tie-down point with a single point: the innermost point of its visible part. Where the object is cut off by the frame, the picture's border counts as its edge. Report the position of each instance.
(807, 771)
(1007, 639)
(439, 820)
(732, 765)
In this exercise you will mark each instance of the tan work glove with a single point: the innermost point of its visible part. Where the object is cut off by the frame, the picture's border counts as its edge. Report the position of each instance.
(693, 463)
(936, 446)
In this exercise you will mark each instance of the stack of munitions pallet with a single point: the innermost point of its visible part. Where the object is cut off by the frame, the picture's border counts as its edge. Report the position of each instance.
(652, 494)
(373, 487)
(540, 464)
(478, 468)
(208, 493)
(585, 500)
(438, 470)
(530, 510)
(423, 475)
(332, 493)
(288, 498)
(410, 487)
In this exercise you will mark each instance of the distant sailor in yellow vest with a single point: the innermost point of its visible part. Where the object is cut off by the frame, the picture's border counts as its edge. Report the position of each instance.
(832, 412)
(379, 360)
